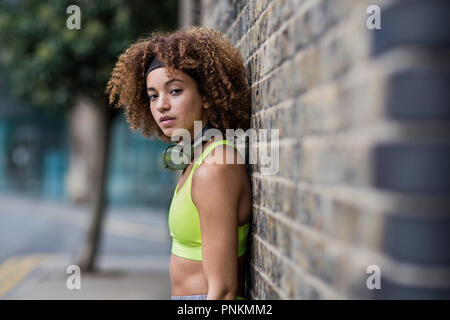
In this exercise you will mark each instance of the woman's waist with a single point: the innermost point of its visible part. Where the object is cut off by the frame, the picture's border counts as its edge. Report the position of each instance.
(188, 276)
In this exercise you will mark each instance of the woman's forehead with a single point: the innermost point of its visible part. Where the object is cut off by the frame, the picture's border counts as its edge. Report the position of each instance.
(160, 76)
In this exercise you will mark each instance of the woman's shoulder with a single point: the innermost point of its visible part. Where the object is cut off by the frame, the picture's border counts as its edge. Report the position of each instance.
(220, 171)
(223, 154)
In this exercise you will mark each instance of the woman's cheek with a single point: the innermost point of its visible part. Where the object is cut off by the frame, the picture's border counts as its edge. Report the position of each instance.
(153, 114)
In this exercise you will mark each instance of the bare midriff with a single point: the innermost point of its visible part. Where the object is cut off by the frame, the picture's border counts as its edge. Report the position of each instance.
(188, 277)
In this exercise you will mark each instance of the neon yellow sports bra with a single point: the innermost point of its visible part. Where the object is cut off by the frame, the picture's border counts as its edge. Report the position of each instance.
(184, 221)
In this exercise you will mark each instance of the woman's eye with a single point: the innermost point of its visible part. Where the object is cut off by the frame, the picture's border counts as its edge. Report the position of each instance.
(154, 96)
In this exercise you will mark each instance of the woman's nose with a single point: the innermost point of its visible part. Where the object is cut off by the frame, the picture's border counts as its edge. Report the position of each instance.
(163, 103)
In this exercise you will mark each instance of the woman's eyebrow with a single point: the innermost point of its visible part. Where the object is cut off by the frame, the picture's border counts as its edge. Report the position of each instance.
(166, 84)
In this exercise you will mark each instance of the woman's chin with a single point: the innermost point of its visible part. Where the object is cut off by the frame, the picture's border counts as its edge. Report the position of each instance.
(168, 131)
(175, 131)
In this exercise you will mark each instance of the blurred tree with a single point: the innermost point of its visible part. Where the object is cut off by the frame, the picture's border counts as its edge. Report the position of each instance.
(51, 67)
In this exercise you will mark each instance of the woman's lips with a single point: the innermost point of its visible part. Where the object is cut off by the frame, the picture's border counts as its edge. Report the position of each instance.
(167, 121)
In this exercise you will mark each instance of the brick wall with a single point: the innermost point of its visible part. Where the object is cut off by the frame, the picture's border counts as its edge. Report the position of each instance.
(364, 145)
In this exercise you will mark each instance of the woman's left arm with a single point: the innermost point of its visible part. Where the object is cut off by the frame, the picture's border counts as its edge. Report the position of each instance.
(215, 192)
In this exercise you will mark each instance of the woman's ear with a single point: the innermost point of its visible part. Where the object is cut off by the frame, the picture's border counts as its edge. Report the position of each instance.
(205, 103)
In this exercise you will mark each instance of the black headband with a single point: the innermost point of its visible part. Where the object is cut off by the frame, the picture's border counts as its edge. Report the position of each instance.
(153, 65)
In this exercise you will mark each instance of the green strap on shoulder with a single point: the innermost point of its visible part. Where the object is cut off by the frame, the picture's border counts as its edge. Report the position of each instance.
(212, 146)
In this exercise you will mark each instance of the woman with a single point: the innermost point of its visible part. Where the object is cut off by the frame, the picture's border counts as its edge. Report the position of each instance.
(166, 82)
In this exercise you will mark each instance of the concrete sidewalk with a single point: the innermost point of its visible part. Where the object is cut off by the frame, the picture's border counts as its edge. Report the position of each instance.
(39, 239)
(44, 277)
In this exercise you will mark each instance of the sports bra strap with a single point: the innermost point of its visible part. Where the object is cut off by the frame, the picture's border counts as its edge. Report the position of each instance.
(208, 150)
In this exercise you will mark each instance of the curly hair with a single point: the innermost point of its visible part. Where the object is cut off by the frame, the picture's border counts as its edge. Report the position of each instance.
(204, 54)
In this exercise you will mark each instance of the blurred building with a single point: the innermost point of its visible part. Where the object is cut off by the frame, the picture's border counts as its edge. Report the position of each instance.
(33, 152)
(136, 172)
(34, 159)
